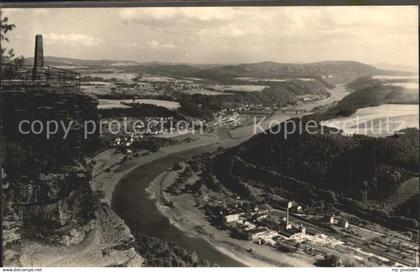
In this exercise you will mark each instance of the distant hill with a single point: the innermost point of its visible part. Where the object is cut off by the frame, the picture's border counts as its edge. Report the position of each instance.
(279, 93)
(357, 174)
(331, 71)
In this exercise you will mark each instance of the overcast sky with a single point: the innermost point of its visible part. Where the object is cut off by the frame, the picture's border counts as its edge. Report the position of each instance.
(222, 34)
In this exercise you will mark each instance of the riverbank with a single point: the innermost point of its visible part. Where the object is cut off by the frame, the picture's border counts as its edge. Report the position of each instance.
(378, 121)
(185, 215)
(108, 169)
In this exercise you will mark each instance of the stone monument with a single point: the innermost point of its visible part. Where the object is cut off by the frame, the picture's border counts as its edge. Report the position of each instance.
(38, 72)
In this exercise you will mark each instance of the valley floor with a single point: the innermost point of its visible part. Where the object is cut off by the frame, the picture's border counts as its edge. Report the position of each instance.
(186, 216)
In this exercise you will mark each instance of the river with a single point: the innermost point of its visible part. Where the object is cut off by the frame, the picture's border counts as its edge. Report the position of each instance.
(336, 94)
(131, 202)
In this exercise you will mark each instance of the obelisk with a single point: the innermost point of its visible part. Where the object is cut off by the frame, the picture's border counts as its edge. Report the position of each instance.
(38, 69)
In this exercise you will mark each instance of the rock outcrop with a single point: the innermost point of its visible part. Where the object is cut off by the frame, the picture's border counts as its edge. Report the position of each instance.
(46, 193)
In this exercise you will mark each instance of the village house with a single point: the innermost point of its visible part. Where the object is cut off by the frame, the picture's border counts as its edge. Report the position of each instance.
(334, 220)
(233, 218)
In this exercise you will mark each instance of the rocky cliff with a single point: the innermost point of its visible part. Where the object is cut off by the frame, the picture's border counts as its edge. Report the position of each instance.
(48, 206)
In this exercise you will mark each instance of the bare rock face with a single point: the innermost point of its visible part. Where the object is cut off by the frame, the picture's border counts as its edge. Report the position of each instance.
(12, 225)
(47, 174)
(56, 199)
(48, 203)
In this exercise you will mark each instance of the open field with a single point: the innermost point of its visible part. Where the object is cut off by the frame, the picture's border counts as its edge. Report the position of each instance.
(407, 82)
(239, 88)
(117, 103)
(165, 79)
(204, 92)
(183, 211)
(251, 79)
(252, 125)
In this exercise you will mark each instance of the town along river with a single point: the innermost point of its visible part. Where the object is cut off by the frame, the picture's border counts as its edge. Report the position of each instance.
(131, 202)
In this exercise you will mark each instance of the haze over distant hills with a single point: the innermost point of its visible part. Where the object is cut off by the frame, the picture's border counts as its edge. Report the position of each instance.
(331, 71)
(344, 64)
(50, 60)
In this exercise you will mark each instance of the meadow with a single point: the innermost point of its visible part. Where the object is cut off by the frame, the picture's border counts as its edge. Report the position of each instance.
(117, 103)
